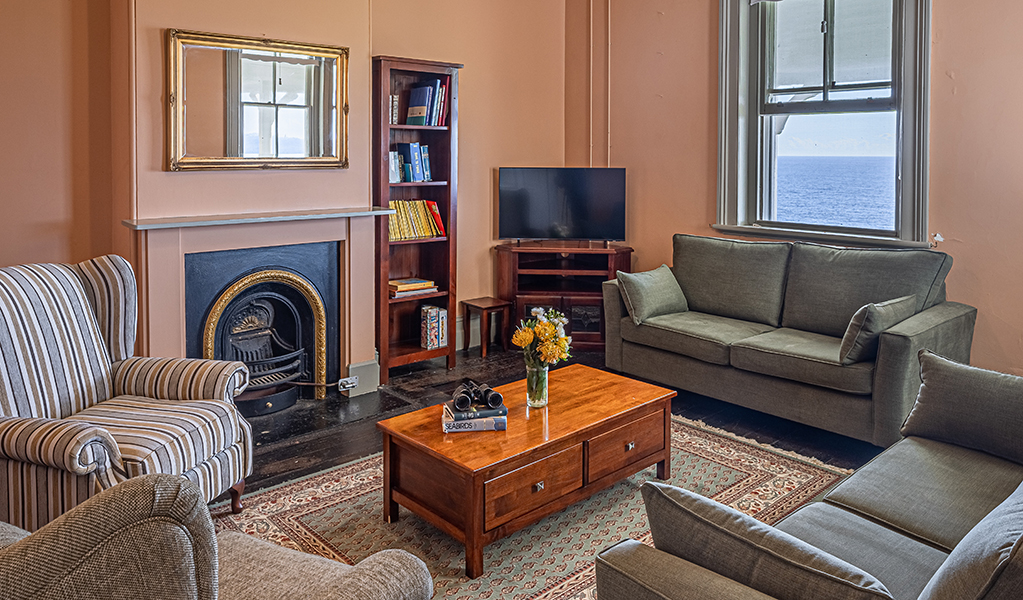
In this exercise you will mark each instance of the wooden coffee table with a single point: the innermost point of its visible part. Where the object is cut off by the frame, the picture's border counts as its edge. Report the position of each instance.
(479, 487)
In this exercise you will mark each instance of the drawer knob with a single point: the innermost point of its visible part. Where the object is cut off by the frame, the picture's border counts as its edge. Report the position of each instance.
(538, 486)
(269, 404)
(630, 446)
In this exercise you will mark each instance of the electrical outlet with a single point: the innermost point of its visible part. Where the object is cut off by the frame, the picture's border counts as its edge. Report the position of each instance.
(348, 383)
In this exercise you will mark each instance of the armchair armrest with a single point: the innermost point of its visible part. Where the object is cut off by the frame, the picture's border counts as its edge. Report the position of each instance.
(180, 378)
(614, 310)
(149, 537)
(75, 446)
(253, 568)
(945, 329)
(630, 570)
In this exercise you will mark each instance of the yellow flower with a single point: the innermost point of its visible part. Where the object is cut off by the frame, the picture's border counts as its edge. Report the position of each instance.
(546, 331)
(522, 337)
(550, 352)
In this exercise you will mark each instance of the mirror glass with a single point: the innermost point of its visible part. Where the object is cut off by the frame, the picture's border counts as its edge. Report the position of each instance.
(253, 103)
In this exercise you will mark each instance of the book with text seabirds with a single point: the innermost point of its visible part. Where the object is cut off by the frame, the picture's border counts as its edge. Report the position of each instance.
(488, 424)
(474, 412)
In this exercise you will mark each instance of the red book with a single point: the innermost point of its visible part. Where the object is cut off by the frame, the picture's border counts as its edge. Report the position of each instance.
(436, 216)
(444, 87)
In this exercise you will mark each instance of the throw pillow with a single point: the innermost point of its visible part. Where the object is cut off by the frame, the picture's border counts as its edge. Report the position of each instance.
(988, 562)
(652, 293)
(737, 546)
(970, 407)
(861, 336)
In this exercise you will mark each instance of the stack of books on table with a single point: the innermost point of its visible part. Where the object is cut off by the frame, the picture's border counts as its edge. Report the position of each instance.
(410, 286)
(477, 418)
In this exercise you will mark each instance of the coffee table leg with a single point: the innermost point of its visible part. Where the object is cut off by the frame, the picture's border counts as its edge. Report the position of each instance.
(664, 467)
(474, 532)
(390, 506)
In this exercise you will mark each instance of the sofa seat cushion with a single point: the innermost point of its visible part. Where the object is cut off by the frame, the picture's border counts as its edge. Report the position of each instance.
(804, 357)
(164, 436)
(694, 334)
(934, 491)
(903, 564)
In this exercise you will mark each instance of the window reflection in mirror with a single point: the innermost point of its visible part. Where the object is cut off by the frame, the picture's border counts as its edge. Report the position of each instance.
(252, 103)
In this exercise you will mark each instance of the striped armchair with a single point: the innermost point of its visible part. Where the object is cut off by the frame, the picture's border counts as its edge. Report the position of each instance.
(79, 414)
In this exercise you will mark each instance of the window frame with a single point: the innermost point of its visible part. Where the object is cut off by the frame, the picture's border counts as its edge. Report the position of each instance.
(742, 139)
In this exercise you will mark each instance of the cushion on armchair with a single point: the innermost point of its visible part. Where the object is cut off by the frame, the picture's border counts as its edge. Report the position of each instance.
(860, 340)
(739, 547)
(651, 294)
(970, 407)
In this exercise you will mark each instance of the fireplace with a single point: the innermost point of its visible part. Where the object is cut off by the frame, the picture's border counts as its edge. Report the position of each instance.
(273, 308)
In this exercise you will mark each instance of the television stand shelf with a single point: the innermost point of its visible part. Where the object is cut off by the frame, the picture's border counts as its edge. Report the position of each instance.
(562, 275)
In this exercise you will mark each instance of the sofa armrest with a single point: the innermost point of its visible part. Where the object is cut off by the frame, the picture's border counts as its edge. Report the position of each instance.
(180, 378)
(148, 537)
(74, 446)
(253, 568)
(614, 310)
(945, 329)
(630, 570)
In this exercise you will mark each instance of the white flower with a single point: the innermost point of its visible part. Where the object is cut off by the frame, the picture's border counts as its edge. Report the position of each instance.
(561, 330)
(569, 340)
(563, 320)
(537, 311)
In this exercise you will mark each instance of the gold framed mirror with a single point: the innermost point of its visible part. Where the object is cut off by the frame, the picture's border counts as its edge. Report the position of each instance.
(252, 103)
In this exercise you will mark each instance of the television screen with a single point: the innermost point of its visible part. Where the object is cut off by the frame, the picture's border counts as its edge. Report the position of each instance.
(563, 203)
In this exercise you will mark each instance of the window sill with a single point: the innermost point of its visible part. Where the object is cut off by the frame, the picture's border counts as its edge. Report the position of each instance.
(841, 239)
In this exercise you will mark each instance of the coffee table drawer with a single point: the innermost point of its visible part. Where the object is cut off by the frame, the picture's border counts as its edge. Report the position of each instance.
(514, 494)
(617, 448)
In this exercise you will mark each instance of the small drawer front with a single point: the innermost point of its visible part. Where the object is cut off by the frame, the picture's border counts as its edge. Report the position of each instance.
(617, 448)
(515, 494)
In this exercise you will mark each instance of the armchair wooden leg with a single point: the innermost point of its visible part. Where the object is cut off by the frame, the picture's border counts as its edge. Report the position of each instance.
(236, 496)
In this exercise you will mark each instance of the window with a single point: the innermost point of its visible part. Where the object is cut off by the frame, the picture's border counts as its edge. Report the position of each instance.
(823, 120)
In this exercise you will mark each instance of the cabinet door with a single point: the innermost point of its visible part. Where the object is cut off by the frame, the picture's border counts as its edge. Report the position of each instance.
(524, 305)
(585, 318)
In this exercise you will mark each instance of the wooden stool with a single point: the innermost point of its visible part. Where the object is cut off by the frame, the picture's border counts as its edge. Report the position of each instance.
(485, 307)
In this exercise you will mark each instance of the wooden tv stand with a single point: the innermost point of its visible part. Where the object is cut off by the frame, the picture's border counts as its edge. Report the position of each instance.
(562, 275)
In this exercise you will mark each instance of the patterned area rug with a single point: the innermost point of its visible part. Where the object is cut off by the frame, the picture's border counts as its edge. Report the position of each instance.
(338, 514)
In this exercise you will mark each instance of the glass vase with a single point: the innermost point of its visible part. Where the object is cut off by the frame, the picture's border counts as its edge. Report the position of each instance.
(536, 385)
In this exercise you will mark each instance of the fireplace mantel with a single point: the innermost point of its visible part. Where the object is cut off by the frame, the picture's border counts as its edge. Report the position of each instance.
(257, 217)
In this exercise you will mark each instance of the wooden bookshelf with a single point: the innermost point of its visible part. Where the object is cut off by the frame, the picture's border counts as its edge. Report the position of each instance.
(397, 319)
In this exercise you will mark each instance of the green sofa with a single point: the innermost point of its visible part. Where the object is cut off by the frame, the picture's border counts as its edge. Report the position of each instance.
(762, 325)
(937, 516)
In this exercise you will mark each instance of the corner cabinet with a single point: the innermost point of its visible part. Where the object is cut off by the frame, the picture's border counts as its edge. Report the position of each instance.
(562, 275)
(398, 320)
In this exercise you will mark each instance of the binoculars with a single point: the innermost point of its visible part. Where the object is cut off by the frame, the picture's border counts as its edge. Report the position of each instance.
(470, 393)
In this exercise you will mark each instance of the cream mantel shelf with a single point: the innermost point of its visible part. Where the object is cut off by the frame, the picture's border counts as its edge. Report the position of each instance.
(260, 217)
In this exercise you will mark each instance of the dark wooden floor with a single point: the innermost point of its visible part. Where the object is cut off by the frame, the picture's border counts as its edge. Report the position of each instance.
(314, 435)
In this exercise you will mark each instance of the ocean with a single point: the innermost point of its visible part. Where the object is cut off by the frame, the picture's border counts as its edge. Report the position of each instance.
(846, 191)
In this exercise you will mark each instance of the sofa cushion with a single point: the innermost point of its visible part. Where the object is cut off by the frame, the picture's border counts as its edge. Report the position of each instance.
(827, 285)
(860, 340)
(802, 356)
(903, 564)
(988, 562)
(933, 491)
(694, 334)
(967, 406)
(731, 278)
(737, 546)
(165, 436)
(651, 293)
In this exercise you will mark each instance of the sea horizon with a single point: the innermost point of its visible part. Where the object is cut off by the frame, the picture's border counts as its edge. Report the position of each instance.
(843, 191)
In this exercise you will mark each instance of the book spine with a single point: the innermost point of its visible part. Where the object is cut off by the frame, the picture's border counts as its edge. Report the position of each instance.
(442, 328)
(425, 156)
(435, 211)
(490, 424)
(418, 105)
(393, 167)
(466, 415)
(443, 105)
(417, 162)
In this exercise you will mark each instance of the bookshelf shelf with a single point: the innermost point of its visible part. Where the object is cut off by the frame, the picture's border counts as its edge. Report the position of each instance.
(398, 319)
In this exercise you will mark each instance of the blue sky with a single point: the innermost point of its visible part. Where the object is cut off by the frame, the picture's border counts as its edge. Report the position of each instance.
(849, 134)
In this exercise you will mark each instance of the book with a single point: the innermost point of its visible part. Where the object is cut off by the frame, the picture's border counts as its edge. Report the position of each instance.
(431, 110)
(442, 325)
(394, 167)
(418, 105)
(435, 211)
(410, 152)
(394, 109)
(425, 156)
(488, 424)
(425, 220)
(406, 172)
(407, 293)
(429, 333)
(442, 109)
(409, 283)
(475, 412)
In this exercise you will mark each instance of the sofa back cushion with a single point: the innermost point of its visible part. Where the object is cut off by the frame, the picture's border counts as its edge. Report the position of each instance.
(988, 562)
(969, 407)
(732, 278)
(827, 285)
(53, 359)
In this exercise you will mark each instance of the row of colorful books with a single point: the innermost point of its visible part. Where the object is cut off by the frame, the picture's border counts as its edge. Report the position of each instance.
(476, 418)
(409, 163)
(434, 327)
(414, 220)
(427, 104)
(410, 286)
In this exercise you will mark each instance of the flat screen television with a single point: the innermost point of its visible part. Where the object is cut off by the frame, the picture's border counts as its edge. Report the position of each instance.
(561, 203)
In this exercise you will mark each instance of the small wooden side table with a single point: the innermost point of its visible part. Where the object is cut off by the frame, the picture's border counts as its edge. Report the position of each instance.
(486, 306)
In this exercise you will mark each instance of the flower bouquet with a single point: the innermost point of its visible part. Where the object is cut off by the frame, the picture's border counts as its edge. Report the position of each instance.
(544, 343)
